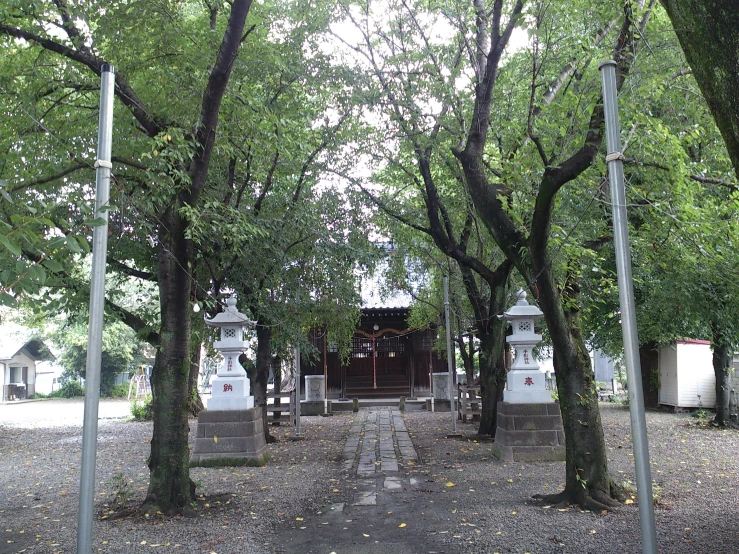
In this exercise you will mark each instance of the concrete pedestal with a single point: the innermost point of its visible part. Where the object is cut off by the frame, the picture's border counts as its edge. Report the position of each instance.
(229, 438)
(529, 433)
(314, 408)
(440, 405)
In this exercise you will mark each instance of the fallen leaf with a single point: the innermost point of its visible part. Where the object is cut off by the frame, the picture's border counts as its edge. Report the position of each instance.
(298, 519)
(628, 501)
(449, 484)
(401, 525)
(365, 535)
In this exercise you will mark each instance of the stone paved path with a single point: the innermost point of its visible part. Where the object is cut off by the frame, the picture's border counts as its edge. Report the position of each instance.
(383, 515)
(377, 447)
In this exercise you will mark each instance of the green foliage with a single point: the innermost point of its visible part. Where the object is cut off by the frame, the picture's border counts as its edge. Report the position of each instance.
(70, 389)
(121, 489)
(141, 409)
(702, 415)
(121, 353)
(38, 395)
(119, 391)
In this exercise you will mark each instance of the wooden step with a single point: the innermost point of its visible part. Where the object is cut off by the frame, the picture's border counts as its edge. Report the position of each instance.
(364, 388)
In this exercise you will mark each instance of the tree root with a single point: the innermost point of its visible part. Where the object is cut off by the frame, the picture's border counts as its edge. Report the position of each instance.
(559, 500)
(592, 500)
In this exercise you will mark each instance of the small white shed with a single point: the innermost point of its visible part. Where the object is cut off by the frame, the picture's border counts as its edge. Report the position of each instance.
(18, 359)
(686, 377)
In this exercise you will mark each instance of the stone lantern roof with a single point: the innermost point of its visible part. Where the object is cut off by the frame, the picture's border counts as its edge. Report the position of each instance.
(522, 309)
(230, 316)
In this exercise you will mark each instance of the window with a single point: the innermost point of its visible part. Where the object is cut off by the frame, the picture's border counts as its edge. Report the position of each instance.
(16, 375)
(361, 347)
(390, 347)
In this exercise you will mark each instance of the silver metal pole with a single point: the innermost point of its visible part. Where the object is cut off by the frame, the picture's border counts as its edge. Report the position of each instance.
(297, 391)
(97, 305)
(628, 313)
(449, 354)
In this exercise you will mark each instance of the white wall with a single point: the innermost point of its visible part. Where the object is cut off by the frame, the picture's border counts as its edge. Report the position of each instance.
(668, 376)
(696, 378)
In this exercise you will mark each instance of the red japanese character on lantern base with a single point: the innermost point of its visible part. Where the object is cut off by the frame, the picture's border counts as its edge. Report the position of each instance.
(228, 388)
(528, 381)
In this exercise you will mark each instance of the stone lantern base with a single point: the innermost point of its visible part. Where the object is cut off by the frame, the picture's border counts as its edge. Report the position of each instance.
(529, 433)
(229, 438)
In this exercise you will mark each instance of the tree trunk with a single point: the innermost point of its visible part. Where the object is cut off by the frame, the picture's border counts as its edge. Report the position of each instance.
(491, 333)
(195, 402)
(492, 377)
(587, 481)
(261, 375)
(707, 31)
(277, 372)
(466, 353)
(649, 359)
(722, 354)
(170, 487)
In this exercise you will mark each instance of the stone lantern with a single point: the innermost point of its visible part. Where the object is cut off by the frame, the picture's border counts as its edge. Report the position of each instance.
(525, 383)
(230, 386)
(529, 422)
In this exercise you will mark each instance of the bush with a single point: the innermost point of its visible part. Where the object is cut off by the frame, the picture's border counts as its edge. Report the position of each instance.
(38, 395)
(70, 389)
(141, 409)
(119, 391)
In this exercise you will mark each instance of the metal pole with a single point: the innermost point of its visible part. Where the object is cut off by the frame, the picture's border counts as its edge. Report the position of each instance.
(628, 313)
(297, 391)
(97, 305)
(449, 354)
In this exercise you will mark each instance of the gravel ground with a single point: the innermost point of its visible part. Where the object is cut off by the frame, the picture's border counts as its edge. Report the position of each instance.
(489, 508)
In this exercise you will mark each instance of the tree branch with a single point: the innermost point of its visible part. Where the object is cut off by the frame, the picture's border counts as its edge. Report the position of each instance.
(126, 270)
(43, 181)
(152, 126)
(213, 96)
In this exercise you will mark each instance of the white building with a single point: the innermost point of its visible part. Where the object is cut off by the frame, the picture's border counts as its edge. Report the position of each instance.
(686, 375)
(18, 360)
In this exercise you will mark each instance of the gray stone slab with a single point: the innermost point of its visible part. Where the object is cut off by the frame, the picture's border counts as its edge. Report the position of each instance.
(392, 484)
(210, 459)
(229, 445)
(526, 438)
(365, 499)
(506, 408)
(529, 422)
(232, 416)
(229, 429)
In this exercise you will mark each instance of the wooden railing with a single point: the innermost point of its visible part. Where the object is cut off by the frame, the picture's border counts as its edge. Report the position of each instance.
(469, 403)
(275, 409)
